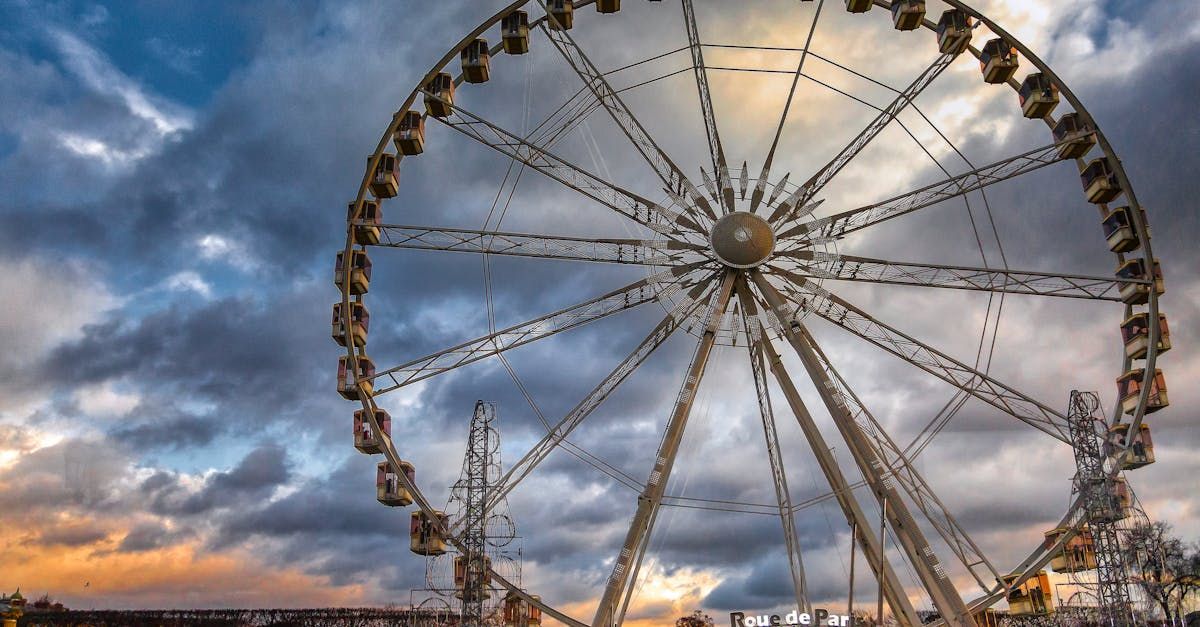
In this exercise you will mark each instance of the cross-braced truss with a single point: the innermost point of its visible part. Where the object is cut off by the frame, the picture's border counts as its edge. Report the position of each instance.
(753, 262)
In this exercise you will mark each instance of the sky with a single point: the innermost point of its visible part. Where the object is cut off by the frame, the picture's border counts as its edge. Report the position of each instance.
(174, 180)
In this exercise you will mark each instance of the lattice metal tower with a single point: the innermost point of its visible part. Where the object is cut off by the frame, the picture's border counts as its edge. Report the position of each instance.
(475, 484)
(1103, 508)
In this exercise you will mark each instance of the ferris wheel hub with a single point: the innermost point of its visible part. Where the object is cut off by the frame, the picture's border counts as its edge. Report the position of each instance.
(742, 240)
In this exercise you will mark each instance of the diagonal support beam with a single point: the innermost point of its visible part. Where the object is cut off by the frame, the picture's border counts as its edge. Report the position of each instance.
(843, 492)
(783, 496)
(669, 173)
(912, 541)
(649, 502)
(820, 265)
(716, 151)
(624, 251)
(814, 185)
(658, 286)
(841, 224)
(808, 296)
(910, 479)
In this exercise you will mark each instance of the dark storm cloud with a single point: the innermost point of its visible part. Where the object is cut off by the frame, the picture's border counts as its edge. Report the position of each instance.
(149, 536)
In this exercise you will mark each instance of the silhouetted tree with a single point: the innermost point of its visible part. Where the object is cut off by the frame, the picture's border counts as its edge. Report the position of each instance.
(1165, 567)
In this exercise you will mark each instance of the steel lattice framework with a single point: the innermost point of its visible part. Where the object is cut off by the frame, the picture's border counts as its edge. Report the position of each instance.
(755, 263)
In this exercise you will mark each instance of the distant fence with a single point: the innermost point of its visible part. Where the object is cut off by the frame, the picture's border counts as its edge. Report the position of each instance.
(329, 617)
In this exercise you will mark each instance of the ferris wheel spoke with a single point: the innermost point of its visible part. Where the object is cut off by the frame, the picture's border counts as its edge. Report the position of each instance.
(716, 151)
(760, 187)
(851, 268)
(841, 224)
(911, 539)
(538, 157)
(807, 296)
(626, 251)
(679, 316)
(900, 467)
(814, 185)
(649, 502)
(783, 496)
(661, 285)
(669, 173)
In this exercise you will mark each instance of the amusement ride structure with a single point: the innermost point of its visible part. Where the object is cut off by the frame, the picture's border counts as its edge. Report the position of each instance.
(752, 261)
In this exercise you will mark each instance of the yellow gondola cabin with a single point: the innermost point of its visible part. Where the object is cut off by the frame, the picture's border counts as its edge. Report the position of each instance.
(365, 439)
(365, 370)
(360, 321)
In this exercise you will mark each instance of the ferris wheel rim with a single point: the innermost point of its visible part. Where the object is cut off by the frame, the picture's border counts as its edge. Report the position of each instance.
(1140, 226)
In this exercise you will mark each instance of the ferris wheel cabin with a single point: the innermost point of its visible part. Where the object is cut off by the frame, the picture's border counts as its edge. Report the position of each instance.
(439, 95)
(514, 31)
(1077, 555)
(908, 14)
(425, 537)
(364, 367)
(1033, 596)
(1135, 332)
(608, 6)
(1129, 390)
(519, 613)
(409, 137)
(388, 488)
(858, 6)
(1038, 96)
(365, 439)
(1073, 136)
(360, 321)
(562, 14)
(476, 62)
(1141, 449)
(1100, 181)
(954, 32)
(366, 227)
(385, 181)
(461, 567)
(998, 61)
(986, 618)
(1139, 293)
(359, 270)
(1119, 231)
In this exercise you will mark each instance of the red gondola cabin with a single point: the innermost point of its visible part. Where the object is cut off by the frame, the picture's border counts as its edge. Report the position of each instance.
(360, 321)
(1129, 390)
(365, 370)
(1135, 332)
(365, 438)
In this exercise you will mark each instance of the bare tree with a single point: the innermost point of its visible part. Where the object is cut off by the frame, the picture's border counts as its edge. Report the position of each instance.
(1165, 567)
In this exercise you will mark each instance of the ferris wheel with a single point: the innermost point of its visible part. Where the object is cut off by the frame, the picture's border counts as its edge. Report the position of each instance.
(749, 258)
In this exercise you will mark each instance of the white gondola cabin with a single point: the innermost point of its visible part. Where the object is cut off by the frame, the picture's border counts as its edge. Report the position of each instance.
(385, 181)
(608, 6)
(998, 61)
(858, 6)
(365, 368)
(476, 62)
(1078, 553)
(954, 32)
(439, 95)
(1073, 136)
(1141, 449)
(425, 536)
(461, 576)
(1038, 96)
(1129, 390)
(359, 271)
(908, 14)
(1031, 597)
(360, 323)
(409, 137)
(366, 227)
(1100, 182)
(1135, 332)
(1119, 231)
(1139, 293)
(365, 438)
(562, 14)
(389, 490)
(514, 31)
